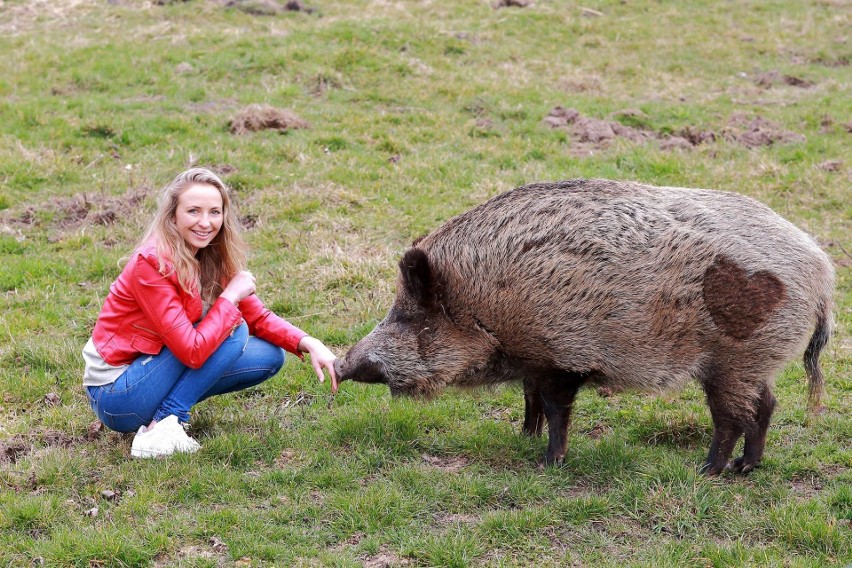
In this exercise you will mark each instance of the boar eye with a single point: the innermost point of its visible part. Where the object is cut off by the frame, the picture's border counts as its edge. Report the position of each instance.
(399, 316)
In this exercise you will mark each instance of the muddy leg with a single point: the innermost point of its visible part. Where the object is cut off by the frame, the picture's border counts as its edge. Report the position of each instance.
(557, 397)
(755, 434)
(727, 429)
(533, 414)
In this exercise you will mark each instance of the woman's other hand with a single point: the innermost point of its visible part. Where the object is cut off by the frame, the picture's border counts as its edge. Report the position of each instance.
(240, 286)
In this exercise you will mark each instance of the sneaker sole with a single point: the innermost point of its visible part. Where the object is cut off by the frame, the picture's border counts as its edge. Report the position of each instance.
(155, 454)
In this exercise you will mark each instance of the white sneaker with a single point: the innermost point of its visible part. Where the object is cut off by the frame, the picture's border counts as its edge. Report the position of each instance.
(165, 438)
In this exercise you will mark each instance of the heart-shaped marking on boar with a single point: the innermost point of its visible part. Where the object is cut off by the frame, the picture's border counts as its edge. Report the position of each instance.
(738, 303)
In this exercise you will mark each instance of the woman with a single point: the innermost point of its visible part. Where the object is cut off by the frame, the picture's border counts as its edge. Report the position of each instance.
(181, 323)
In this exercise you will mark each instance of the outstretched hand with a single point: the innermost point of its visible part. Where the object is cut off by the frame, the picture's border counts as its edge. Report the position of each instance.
(321, 358)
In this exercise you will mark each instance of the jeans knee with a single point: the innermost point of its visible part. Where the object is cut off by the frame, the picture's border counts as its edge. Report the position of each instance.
(238, 337)
(265, 355)
(241, 332)
(278, 359)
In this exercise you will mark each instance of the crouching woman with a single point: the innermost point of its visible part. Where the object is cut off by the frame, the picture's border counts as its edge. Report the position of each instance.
(182, 322)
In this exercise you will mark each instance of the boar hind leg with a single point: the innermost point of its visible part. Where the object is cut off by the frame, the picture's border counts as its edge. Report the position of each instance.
(557, 398)
(726, 432)
(755, 433)
(533, 414)
(727, 427)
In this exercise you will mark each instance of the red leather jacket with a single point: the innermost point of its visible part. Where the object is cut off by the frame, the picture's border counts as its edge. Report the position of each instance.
(145, 310)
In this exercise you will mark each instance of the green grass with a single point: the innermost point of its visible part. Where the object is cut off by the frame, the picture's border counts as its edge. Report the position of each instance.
(417, 111)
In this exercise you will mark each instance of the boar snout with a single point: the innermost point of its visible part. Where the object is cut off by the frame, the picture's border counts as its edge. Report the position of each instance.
(361, 370)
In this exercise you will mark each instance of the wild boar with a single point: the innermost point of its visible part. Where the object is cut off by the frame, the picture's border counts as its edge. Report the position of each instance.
(613, 284)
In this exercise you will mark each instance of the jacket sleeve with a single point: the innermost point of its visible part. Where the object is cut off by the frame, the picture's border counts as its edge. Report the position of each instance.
(264, 324)
(159, 299)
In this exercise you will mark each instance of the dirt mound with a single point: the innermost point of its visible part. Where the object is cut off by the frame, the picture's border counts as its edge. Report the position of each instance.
(594, 134)
(85, 209)
(383, 559)
(262, 117)
(831, 165)
(13, 449)
(20, 446)
(772, 78)
(452, 464)
(298, 6)
(268, 7)
(512, 4)
(757, 131)
(594, 131)
(589, 135)
(66, 214)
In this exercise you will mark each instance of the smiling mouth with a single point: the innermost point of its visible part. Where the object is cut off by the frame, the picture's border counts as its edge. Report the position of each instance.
(201, 235)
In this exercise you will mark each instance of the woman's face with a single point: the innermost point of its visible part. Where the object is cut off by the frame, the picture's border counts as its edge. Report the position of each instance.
(199, 215)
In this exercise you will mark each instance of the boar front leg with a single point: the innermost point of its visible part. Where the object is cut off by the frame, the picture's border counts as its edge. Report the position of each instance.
(557, 397)
(533, 414)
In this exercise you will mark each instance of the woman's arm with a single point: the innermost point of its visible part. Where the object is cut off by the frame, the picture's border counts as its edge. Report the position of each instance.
(265, 324)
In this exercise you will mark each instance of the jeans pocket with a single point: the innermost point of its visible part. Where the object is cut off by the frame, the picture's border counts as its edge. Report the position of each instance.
(93, 393)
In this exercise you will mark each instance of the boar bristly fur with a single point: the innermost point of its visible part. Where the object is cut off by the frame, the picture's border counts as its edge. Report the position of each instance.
(614, 284)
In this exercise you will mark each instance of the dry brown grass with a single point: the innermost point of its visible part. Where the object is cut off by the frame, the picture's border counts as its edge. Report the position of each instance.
(258, 117)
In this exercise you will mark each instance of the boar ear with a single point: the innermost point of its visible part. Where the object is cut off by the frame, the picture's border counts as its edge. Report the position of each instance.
(416, 273)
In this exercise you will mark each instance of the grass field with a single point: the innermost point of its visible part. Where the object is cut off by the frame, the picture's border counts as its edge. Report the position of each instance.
(414, 111)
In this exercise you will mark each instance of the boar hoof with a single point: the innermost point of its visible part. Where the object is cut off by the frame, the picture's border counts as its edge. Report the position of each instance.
(532, 432)
(552, 461)
(711, 470)
(740, 465)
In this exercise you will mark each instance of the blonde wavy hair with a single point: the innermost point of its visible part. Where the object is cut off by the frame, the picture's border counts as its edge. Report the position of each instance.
(210, 270)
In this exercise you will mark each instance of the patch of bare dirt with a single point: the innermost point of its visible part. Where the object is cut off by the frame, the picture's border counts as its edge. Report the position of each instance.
(757, 131)
(298, 6)
(457, 519)
(598, 431)
(807, 487)
(215, 551)
(512, 4)
(17, 447)
(773, 78)
(589, 135)
(840, 61)
(287, 458)
(450, 464)
(258, 117)
(84, 209)
(13, 449)
(831, 165)
(384, 559)
(597, 131)
(268, 7)
(695, 136)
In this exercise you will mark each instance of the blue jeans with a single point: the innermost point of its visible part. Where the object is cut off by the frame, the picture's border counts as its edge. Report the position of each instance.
(155, 386)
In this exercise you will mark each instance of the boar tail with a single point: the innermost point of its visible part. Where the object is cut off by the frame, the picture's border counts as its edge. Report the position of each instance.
(816, 381)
